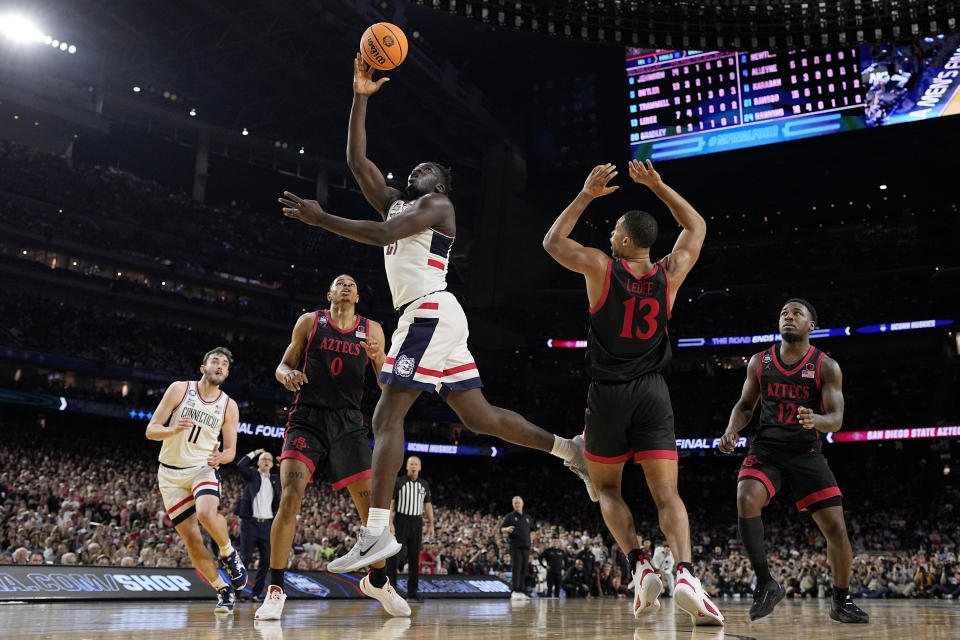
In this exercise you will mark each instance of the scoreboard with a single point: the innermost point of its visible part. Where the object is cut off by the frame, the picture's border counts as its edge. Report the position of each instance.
(683, 103)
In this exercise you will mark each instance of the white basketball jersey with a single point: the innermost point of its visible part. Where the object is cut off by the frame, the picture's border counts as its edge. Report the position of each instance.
(416, 265)
(190, 447)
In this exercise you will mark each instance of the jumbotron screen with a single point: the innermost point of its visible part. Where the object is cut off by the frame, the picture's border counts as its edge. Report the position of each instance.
(686, 103)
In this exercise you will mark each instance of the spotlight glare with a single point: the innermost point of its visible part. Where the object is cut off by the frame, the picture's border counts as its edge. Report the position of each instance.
(302, 151)
(136, 89)
(883, 187)
(244, 132)
(72, 49)
(55, 43)
(63, 46)
(193, 112)
(20, 29)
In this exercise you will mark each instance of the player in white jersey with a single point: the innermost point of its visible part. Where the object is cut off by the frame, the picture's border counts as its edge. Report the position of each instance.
(428, 351)
(189, 421)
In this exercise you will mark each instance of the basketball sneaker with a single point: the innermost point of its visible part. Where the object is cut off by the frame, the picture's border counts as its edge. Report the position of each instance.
(579, 466)
(765, 598)
(226, 598)
(268, 629)
(647, 588)
(388, 597)
(689, 596)
(272, 605)
(233, 567)
(846, 611)
(368, 549)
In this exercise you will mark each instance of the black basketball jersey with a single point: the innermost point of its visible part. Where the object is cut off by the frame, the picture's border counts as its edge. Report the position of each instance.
(335, 364)
(628, 328)
(783, 390)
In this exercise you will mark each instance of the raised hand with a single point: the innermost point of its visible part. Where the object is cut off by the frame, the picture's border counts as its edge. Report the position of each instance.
(363, 82)
(372, 347)
(807, 418)
(728, 442)
(308, 211)
(596, 183)
(294, 379)
(644, 174)
(215, 457)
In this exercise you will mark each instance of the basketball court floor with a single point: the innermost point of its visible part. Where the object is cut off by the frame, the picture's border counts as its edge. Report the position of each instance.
(468, 620)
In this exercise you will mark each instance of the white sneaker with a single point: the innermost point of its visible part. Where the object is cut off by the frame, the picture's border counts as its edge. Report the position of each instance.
(647, 587)
(579, 466)
(518, 596)
(268, 629)
(368, 549)
(388, 597)
(689, 596)
(272, 605)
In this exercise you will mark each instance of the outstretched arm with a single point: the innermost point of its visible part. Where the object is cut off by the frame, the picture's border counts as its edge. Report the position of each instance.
(743, 410)
(590, 262)
(370, 178)
(687, 248)
(831, 391)
(432, 210)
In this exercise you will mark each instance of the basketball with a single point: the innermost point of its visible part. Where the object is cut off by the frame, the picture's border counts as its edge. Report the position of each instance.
(383, 46)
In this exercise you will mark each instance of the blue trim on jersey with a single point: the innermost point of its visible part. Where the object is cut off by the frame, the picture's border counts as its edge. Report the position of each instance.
(462, 385)
(440, 245)
(406, 383)
(418, 337)
(184, 515)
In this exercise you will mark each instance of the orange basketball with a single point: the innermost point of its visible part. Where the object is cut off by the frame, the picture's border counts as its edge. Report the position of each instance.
(383, 46)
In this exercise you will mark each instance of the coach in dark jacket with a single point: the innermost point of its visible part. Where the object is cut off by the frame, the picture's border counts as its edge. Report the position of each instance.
(256, 508)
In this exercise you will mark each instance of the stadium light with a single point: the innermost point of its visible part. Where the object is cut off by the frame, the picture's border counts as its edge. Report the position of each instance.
(20, 29)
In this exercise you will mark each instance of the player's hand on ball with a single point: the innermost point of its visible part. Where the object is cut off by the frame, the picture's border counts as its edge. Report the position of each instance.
(596, 183)
(373, 348)
(363, 82)
(213, 460)
(644, 174)
(308, 211)
(293, 380)
(807, 417)
(182, 425)
(728, 442)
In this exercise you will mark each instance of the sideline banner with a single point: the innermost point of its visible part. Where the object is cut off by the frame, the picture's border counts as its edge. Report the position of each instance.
(51, 582)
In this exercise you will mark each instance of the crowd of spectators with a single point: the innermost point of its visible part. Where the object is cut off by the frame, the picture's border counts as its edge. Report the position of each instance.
(95, 501)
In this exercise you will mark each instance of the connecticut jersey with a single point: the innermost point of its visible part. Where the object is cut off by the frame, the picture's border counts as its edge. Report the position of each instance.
(416, 265)
(628, 328)
(783, 390)
(191, 447)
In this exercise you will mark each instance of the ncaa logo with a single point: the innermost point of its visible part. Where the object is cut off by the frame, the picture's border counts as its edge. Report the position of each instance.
(191, 392)
(322, 320)
(404, 366)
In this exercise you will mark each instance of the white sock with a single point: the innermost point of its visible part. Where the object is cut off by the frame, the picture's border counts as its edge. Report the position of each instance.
(563, 448)
(226, 550)
(219, 583)
(377, 520)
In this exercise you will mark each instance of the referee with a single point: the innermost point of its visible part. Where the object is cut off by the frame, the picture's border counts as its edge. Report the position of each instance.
(411, 500)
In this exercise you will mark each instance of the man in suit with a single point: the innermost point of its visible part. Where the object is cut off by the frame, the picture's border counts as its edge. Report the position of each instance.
(256, 508)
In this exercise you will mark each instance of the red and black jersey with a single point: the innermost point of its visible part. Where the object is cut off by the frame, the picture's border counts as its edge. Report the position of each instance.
(628, 328)
(784, 388)
(335, 364)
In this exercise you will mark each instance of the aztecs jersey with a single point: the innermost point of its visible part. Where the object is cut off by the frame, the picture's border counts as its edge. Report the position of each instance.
(191, 447)
(416, 265)
(628, 328)
(783, 390)
(335, 364)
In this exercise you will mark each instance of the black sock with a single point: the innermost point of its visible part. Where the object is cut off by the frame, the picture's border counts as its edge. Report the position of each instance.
(685, 565)
(839, 595)
(633, 558)
(276, 577)
(751, 533)
(378, 577)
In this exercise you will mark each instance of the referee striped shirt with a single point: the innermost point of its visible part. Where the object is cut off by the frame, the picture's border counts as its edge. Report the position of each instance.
(410, 495)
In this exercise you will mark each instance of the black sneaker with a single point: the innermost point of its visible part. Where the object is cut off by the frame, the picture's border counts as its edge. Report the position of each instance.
(846, 611)
(414, 597)
(765, 598)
